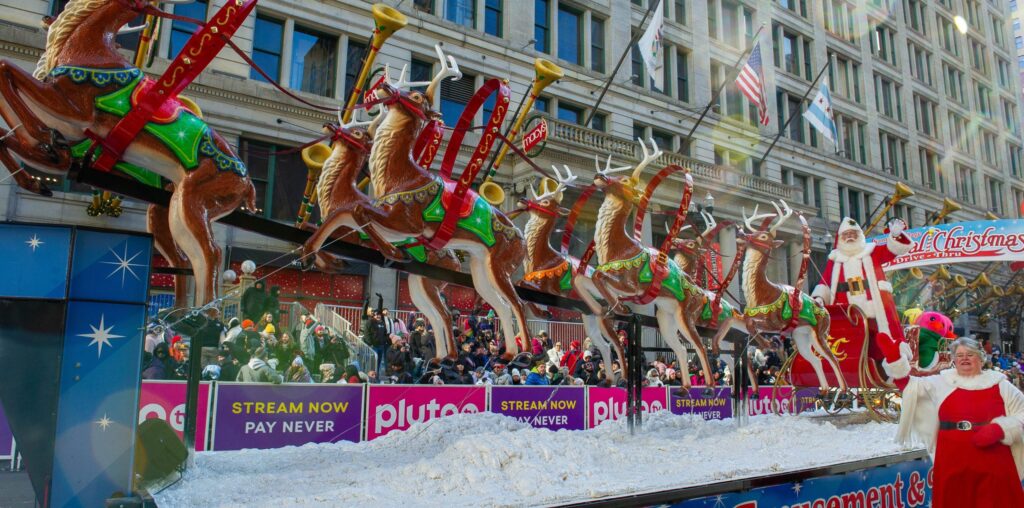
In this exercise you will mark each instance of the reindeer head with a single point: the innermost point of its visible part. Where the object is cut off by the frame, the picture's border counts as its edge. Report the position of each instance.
(626, 188)
(548, 203)
(413, 101)
(762, 237)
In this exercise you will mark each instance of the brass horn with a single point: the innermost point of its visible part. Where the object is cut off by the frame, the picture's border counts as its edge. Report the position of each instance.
(960, 280)
(315, 155)
(941, 274)
(981, 281)
(991, 216)
(900, 192)
(548, 185)
(545, 72)
(948, 206)
(387, 21)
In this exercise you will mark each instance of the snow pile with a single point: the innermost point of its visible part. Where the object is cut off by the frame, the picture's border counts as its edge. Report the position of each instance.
(486, 459)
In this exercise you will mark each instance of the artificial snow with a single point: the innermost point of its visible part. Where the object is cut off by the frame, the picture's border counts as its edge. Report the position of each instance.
(487, 459)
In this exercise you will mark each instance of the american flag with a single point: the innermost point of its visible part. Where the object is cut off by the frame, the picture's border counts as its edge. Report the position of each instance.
(751, 82)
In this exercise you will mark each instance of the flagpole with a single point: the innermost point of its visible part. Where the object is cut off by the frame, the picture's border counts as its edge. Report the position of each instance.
(790, 119)
(629, 48)
(714, 98)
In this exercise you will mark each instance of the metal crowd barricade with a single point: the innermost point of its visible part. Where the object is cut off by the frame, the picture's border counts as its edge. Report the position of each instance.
(329, 316)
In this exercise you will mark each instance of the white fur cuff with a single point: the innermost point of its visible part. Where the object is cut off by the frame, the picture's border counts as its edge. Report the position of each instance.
(1012, 429)
(824, 292)
(898, 369)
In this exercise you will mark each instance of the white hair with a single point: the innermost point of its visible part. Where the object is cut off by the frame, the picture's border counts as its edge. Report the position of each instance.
(971, 345)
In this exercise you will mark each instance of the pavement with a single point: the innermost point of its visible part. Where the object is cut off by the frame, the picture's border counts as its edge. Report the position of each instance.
(15, 489)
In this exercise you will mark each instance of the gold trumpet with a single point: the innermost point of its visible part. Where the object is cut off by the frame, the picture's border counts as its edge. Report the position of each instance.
(548, 185)
(914, 273)
(387, 21)
(145, 48)
(941, 274)
(545, 73)
(900, 191)
(314, 156)
(948, 206)
(991, 216)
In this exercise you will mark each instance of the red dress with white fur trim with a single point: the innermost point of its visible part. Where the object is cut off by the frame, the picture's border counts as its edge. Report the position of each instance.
(966, 475)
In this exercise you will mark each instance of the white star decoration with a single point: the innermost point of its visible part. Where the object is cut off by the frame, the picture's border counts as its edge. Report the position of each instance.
(101, 336)
(123, 264)
(34, 242)
(104, 422)
(796, 488)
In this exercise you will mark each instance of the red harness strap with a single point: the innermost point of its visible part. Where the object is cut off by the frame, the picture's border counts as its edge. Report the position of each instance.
(446, 230)
(570, 224)
(659, 266)
(428, 142)
(200, 49)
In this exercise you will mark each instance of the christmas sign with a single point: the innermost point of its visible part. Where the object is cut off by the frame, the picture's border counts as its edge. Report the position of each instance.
(962, 242)
(535, 135)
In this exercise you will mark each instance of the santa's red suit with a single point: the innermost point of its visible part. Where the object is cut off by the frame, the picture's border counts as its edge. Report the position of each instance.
(972, 427)
(854, 275)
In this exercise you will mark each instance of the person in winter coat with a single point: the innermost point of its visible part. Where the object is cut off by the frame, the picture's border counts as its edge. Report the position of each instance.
(572, 356)
(161, 365)
(234, 328)
(653, 379)
(351, 375)
(555, 376)
(501, 376)
(398, 354)
(228, 364)
(297, 372)
(257, 370)
(328, 373)
(284, 350)
(335, 351)
(555, 354)
(307, 338)
(588, 373)
(421, 343)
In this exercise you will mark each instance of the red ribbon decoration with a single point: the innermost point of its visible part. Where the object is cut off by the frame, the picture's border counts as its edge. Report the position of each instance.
(570, 224)
(446, 230)
(200, 49)
(428, 142)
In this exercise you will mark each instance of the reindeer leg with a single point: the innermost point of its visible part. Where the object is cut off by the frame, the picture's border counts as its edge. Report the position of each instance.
(158, 225)
(369, 216)
(803, 337)
(426, 296)
(21, 177)
(202, 197)
(35, 140)
(689, 331)
(826, 352)
(670, 333)
(586, 289)
(601, 281)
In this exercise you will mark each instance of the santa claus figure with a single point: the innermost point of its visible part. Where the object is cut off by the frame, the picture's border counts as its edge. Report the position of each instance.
(971, 420)
(854, 274)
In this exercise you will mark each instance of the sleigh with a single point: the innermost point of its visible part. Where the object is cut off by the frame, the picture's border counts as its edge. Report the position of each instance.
(851, 339)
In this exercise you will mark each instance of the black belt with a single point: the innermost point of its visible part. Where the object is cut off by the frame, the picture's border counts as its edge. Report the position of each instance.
(961, 425)
(844, 287)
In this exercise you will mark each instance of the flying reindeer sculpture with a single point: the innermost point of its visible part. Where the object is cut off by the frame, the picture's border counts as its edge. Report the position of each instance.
(779, 308)
(548, 271)
(410, 201)
(81, 88)
(624, 269)
(338, 195)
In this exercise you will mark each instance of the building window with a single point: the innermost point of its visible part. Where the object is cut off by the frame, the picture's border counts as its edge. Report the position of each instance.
(541, 26)
(839, 20)
(713, 19)
(958, 133)
(790, 106)
(809, 185)
(798, 7)
(844, 76)
(853, 203)
(639, 70)
(679, 11)
(931, 170)
(965, 184)
(599, 122)
(569, 113)
(426, 6)
(462, 12)
(883, 44)
(354, 63)
(792, 52)
(570, 36)
(1010, 118)
(493, 18)
(997, 32)
(182, 31)
(734, 159)
(851, 133)
(954, 81)
(422, 71)
(597, 43)
(920, 63)
(277, 196)
(683, 75)
(266, 48)
(924, 116)
(1004, 73)
(664, 139)
(950, 40)
(313, 61)
(979, 60)
(887, 98)
(984, 96)
(913, 14)
(894, 154)
(988, 148)
(454, 97)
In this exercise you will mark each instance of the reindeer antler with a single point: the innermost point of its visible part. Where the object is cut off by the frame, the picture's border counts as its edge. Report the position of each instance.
(649, 156)
(401, 83)
(709, 221)
(564, 181)
(748, 221)
(608, 169)
(449, 69)
(783, 214)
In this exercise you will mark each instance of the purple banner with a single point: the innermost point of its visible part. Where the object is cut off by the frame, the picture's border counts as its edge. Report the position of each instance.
(805, 399)
(272, 416)
(716, 407)
(546, 407)
(5, 435)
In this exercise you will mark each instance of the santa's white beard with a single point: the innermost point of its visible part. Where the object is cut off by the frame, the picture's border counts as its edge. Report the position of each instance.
(851, 247)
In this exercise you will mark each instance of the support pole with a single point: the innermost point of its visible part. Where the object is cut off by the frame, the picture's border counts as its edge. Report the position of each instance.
(634, 382)
(790, 119)
(741, 384)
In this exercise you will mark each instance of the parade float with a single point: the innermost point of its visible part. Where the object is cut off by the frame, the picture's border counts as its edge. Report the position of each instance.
(94, 115)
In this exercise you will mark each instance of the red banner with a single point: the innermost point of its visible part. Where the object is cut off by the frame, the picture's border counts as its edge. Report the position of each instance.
(535, 135)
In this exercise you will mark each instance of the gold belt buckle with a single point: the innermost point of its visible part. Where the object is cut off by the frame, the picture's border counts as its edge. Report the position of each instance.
(855, 285)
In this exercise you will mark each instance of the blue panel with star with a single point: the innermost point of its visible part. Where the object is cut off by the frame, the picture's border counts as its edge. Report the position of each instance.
(99, 390)
(110, 266)
(38, 257)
